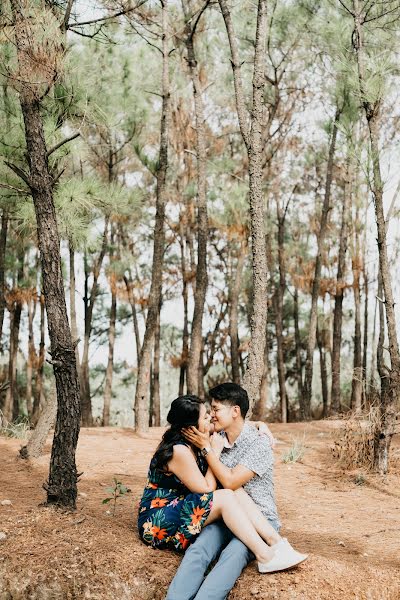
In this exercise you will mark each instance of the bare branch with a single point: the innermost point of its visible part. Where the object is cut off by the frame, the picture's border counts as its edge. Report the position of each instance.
(109, 17)
(346, 8)
(64, 25)
(6, 186)
(19, 172)
(65, 141)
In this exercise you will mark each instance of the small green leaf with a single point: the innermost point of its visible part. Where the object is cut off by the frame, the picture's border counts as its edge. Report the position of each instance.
(106, 500)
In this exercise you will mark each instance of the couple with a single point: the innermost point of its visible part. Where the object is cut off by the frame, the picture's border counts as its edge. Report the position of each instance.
(182, 499)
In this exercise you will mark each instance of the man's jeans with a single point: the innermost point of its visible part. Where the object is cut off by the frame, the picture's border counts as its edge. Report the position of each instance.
(189, 582)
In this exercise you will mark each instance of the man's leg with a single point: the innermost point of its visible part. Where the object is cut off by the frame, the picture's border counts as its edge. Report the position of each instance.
(196, 560)
(221, 579)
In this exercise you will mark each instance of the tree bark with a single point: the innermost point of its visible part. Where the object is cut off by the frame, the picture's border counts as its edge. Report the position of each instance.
(131, 298)
(312, 328)
(155, 391)
(234, 295)
(279, 295)
(255, 148)
(31, 358)
(72, 303)
(297, 338)
(143, 377)
(196, 334)
(110, 360)
(62, 483)
(3, 243)
(37, 440)
(185, 298)
(324, 374)
(339, 294)
(356, 385)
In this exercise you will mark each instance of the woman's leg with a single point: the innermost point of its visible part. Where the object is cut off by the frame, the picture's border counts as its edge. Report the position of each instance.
(259, 522)
(226, 506)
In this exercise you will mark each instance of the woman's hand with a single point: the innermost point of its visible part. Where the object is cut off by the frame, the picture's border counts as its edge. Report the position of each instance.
(217, 443)
(196, 437)
(264, 430)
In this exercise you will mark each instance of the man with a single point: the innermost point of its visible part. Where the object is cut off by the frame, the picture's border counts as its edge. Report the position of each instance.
(247, 461)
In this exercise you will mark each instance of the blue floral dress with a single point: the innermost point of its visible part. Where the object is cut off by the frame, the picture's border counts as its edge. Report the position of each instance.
(170, 515)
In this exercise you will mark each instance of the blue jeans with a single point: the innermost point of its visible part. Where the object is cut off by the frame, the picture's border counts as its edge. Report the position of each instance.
(215, 540)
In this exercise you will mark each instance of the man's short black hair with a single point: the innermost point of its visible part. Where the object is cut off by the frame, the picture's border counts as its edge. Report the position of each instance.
(232, 394)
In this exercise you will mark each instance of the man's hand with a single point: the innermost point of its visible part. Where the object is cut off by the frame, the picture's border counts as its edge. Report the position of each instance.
(196, 437)
(263, 429)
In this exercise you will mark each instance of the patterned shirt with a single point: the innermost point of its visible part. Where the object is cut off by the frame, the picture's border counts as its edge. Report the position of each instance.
(254, 452)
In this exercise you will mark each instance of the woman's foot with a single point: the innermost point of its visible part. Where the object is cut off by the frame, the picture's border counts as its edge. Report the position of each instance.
(285, 557)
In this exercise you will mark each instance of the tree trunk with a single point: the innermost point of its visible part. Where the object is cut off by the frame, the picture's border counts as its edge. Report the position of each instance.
(339, 294)
(3, 243)
(185, 333)
(260, 407)
(365, 337)
(390, 380)
(72, 303)
(62, 483)
(37, 440)
(40, 366)
(324, 374)
(131, 298)
(297, 338)
(196, 335)
(86, 402)
(31, 355)
(234, 294)
(255, 149)
(356, 385)
(11, 403)
(312, 328)
(279, 295)
(156, 408)
(143, 377)
(110, 361)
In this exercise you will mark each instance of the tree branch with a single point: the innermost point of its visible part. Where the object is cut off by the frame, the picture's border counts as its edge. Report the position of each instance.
(15, 189)
(65, 141)
(109, 17)
(19, 172)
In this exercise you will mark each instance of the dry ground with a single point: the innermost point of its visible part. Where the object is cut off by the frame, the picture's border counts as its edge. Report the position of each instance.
(351, 531)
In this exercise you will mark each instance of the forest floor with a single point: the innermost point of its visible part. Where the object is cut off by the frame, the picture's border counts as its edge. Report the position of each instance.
(348, 522)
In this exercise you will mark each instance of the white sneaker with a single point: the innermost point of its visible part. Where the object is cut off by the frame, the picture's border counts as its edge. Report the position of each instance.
(285, 557)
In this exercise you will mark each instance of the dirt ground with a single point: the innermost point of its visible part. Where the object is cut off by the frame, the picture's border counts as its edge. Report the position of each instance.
(350, 525)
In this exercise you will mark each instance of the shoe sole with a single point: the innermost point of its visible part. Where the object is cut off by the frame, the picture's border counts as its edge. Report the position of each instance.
(284, 568)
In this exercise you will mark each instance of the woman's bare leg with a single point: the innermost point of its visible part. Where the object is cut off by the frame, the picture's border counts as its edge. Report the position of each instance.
(226, 506)
(259, 522)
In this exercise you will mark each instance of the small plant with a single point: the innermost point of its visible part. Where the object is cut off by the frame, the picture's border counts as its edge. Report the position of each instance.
(296, 451)
(117, 491)
(18, 429)
(359, 479)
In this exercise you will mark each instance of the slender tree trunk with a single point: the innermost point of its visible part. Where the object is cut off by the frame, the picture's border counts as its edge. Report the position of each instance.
(37, 440)
(40, 365)
(390, 380)
(234, 294)
(339, 294)
(255, 148)
(131, 298)
(110, 361)
(356, 386)
(279, 295)
(185, 333)
(62, 483)
(196, 336)
(143, 377)
(156, 406)
(31, 359)
(86, 402)
(365, 337)
(297, 338)
(260, 407)
(312, 328)
(3, 242)
(72, 303)
(11, 404)
(324, 374)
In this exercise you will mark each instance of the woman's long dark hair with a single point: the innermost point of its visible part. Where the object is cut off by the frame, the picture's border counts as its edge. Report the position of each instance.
(184, 412)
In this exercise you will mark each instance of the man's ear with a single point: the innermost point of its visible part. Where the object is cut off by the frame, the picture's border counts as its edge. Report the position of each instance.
(236, 412)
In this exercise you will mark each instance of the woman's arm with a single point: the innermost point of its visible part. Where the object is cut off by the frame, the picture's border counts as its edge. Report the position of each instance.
(183, 465)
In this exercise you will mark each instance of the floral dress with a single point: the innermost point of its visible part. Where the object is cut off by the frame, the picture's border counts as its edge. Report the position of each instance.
(170, 515)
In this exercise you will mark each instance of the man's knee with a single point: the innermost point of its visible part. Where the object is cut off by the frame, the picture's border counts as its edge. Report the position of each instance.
(210, 542)
(237, 551)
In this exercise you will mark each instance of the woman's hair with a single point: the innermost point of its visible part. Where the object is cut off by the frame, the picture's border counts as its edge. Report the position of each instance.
(184, 412)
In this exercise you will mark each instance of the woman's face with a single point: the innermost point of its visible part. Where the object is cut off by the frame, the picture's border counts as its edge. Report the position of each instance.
(204, 419)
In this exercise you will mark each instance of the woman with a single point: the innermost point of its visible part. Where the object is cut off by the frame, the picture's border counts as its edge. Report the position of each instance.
(181, 496)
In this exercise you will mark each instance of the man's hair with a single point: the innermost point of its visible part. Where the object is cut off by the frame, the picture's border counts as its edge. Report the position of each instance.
(232, 394)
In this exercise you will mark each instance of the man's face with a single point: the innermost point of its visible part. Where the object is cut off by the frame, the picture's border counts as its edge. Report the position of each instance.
(222, 415)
